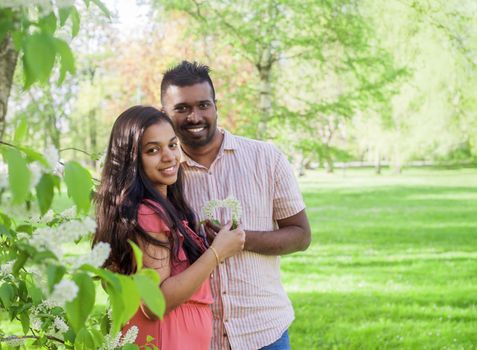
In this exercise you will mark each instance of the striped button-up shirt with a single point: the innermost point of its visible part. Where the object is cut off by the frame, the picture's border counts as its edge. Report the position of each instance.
(251, 308)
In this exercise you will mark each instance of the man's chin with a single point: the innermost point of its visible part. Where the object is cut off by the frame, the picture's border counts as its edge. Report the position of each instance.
(195, 143)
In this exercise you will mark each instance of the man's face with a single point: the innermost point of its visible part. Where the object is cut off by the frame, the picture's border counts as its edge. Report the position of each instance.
(193, 112)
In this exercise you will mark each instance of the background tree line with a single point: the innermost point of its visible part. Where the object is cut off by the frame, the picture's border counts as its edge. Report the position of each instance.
(327, 81)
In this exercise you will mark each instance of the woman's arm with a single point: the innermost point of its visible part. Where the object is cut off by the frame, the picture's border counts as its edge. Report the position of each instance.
(179, 288)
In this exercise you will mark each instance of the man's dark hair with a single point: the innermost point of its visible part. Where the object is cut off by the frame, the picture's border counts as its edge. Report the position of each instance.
(186, 74)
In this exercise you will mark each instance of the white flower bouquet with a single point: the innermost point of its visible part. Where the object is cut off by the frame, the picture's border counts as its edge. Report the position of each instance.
(231, 203)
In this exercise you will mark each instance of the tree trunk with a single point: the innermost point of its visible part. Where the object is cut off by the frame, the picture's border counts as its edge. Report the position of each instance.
(377, 162)
(264, 69)
(92, 135)
(8, 61)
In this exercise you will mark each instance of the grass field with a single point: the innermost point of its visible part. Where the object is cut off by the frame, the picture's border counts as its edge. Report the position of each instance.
(393, 262)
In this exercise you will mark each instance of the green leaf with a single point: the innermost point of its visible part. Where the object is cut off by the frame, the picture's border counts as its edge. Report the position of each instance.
(6, 220)
(64, 13)
(97, 338)
(4, 231)
(79, 309)
(117, 307)
(67, 59)
(84, 340)
(48, 23)
(130, 347)
(151, 294)
(105, 324)
(131, 297)
(152, 275)
(7, 294)
(45, 193)
(54, 273)
(32, 155)
(25, 321)
(19, 263)
(149, 338)
(18, 174)
(75, 22)
(20, 131)
(17, 37)
(79, 183)
(39, 57)
(102, 7)
(25, 228)
(6, 25)
(137, 254)
(34, 292)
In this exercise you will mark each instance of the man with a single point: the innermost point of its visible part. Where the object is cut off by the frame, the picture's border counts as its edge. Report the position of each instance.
(251, 310)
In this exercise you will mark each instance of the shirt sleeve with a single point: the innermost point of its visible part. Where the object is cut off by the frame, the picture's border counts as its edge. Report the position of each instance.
(287, 198)
(150, 221)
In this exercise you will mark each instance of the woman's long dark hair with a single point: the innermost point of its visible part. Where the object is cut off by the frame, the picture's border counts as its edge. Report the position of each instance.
(124, 186)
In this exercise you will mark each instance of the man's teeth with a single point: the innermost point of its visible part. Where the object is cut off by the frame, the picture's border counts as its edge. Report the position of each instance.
(196, 129)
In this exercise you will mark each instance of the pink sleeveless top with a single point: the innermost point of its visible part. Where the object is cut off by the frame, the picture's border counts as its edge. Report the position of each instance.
(189, 326)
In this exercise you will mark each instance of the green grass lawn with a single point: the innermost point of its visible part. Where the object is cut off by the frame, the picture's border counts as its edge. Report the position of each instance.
(392, 264)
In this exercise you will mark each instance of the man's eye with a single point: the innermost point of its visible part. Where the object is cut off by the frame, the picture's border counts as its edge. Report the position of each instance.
(181, 109)
(204, 105)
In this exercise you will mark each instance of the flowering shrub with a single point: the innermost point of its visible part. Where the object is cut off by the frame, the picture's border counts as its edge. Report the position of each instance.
(47, 289)
(231, 203)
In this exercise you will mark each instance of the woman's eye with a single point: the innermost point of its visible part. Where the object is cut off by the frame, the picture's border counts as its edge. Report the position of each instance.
(151, 150)
(173, 145)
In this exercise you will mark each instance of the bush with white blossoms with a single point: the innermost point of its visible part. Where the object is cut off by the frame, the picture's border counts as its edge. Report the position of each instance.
(231, 203)
(48, 280)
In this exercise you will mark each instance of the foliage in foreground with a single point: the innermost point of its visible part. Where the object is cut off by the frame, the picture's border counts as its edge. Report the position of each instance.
(48, 292)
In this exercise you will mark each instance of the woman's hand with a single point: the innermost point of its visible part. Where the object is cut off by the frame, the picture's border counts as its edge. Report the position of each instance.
(229, 242)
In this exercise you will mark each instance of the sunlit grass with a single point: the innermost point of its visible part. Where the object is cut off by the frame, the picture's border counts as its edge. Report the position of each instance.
(393, 262)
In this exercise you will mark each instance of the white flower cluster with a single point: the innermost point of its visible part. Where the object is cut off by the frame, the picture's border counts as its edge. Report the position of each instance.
(36, 173)
(63, 292)
(60, 325)
(51, 238)
(96, 257)
(3, 175)
(52, 157)
(37, 169)
(111, 343)
(6, 268)
(232, 203)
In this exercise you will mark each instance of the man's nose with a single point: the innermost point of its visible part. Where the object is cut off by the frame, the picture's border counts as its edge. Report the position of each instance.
(194, 116)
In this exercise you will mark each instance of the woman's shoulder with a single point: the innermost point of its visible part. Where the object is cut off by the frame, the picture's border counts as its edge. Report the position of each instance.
(149, 207)
(149, 219)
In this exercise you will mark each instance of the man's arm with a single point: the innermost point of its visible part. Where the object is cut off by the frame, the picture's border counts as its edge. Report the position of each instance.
(293, 235)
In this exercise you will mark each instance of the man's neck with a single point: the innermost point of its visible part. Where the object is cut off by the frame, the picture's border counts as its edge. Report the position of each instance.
(205, 155)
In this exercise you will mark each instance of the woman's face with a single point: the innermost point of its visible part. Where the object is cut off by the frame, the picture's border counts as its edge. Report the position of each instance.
(160, 155)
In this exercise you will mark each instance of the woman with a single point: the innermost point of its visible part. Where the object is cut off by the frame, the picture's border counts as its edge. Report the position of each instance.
(140, 199)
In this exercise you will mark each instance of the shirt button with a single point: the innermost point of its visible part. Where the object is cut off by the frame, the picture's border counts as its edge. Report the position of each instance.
(211, 275)
(224, 292)
(225, 335)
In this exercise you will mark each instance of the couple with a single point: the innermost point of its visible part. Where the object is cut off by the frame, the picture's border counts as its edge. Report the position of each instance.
(226, 295)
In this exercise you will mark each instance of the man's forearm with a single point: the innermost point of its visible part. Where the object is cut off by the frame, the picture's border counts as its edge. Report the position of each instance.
(283, 241)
